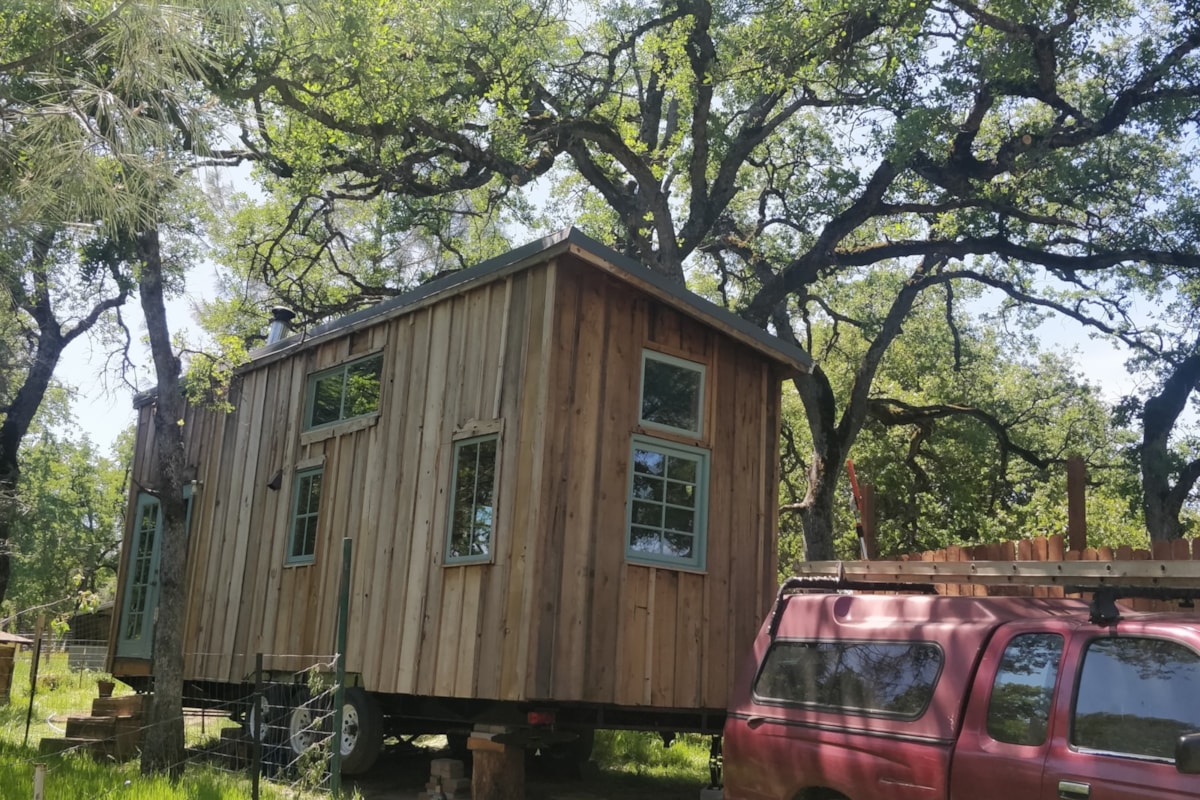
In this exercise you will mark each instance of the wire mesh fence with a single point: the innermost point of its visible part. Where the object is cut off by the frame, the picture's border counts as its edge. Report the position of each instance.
(274, 728)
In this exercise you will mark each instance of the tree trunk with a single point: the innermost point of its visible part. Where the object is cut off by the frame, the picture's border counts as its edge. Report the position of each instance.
(817, 512)
(163, 750)
(1162, 502)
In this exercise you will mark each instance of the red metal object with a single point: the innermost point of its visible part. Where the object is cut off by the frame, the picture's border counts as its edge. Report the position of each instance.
(541, 717)
(856, 507)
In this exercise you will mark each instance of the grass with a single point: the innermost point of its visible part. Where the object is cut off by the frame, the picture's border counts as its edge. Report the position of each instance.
(61, 693)
(642, 754)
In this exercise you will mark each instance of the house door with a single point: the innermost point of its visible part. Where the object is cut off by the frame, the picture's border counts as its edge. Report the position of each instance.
(135, 639)
(136, 635)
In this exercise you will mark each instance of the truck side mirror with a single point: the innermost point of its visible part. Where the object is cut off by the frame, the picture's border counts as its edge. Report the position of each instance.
(1187, 754)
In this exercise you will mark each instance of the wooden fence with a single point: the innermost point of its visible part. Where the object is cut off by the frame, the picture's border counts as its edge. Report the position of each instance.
(1053, 548)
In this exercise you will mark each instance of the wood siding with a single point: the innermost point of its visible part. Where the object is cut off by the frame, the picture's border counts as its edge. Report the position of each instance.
(554, 353)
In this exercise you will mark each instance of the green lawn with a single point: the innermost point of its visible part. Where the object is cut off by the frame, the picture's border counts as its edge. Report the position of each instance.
(79, 777)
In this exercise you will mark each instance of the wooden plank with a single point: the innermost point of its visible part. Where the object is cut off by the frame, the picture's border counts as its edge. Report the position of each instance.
(721, 560)
(448, 633)
(393, 655)
(661, 632)
(1163, 573)
(434, 661)
(424, 562)
(376, 619)
(523, 590)
(499, 631)
(620, 377)
(633, 680)
(688, 645)
(466, 674)
(273, 544)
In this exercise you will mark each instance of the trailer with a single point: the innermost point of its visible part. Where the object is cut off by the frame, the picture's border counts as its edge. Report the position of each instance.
(559, 472)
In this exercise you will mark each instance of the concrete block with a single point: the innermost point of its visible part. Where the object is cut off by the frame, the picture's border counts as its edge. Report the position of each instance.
(446, 768)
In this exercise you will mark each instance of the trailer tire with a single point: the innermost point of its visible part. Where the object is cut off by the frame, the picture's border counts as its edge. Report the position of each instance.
(306, 726)
(361, 737)
(577, 751)
(272, 710)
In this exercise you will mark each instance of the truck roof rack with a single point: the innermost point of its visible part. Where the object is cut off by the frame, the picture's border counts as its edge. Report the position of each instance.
(1107, 580)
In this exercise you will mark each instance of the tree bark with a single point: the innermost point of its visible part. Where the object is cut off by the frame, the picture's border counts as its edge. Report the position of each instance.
(1162, 502)
(163, 751)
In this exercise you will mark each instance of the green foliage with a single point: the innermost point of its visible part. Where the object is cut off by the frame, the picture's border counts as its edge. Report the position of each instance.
(67, 530)
(643, 753)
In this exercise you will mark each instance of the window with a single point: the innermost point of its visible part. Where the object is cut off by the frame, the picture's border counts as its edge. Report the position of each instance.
(668, 502)
(472, 504)
(884, 678)
(344, 392)
(672, 393)
(302, 544)
(1137, 697)
(1019, 708)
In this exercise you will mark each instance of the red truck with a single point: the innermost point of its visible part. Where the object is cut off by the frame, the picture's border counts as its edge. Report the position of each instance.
(853, 696)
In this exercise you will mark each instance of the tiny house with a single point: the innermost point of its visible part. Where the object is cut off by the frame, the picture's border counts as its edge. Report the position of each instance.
(559, 472)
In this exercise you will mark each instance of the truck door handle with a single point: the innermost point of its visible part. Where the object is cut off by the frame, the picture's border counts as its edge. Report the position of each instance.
(754, 723)
(1070, 790)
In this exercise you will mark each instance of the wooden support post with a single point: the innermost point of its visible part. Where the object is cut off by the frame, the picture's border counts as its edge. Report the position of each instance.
(870, 543)
(498, 771)
(1076, 504)
(39, 782)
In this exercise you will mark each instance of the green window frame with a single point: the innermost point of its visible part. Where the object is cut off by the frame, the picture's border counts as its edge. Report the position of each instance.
(667, 513)
(306, 509)
(472, 524)
(343, 392)
(672, 393)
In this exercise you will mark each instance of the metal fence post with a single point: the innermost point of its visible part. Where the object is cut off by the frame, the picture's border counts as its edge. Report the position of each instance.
(256, 736)
(339, 685)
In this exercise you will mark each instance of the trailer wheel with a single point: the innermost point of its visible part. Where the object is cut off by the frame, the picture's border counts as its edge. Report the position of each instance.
(304, 728)
(265, 719)
(361, 737)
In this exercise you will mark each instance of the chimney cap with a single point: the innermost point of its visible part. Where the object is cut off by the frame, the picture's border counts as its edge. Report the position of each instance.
(282, 314)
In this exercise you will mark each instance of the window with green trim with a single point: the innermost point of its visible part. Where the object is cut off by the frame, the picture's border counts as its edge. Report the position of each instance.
(668, 503)
(302, 544)
(472, 500)
(672, 393)
(347, 391)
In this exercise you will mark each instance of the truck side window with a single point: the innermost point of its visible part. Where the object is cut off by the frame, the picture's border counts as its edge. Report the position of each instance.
(884, 678)
(1136, 696)
(1019, 708)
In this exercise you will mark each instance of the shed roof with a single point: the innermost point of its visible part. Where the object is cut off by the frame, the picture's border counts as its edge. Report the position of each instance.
(575, 242)
(12, 638)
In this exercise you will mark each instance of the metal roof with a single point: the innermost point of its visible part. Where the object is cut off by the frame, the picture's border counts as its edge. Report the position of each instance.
(575, 242)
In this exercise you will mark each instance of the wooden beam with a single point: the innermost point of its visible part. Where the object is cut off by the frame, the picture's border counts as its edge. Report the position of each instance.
(1165, 574)
(1076, 503)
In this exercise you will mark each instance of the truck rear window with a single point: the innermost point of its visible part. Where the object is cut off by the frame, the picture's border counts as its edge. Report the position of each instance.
(885, 678)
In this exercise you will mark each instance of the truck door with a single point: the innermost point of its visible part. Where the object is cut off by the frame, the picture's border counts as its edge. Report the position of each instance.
(1006, 734)
(1136, 695)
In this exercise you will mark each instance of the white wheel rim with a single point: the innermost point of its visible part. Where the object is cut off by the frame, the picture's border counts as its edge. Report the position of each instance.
(349, 729)
(301, 733)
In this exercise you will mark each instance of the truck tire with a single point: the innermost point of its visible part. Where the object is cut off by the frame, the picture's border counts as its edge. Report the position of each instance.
(361, 737)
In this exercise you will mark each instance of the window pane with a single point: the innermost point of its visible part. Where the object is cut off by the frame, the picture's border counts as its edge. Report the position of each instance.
(645, 488)
(648, 514)
(671, 394)
(643, 540)
(1019, 709)
(681, 469)
(648, 462)
(1137, 696)
(362, 386)
(472, 512)
(894, 678)
(306, 513)
(681, 494)
(679, 544)
(327, 400)
(680, 519)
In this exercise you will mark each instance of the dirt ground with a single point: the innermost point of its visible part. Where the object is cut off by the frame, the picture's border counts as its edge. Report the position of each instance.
(402, 770)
